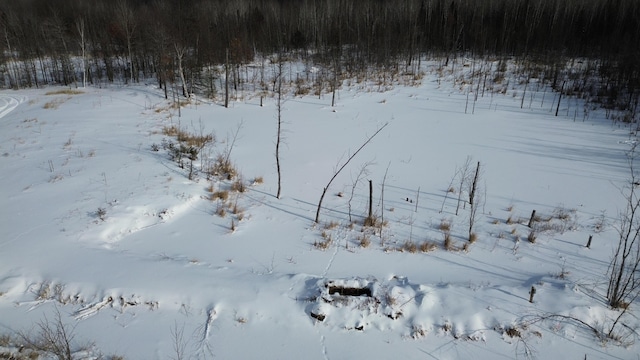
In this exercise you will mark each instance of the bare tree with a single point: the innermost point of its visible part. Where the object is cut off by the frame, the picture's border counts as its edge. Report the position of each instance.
(279, 136)
(463, 172)
(180, 52)
(624, 284)
(53, 336)
(473, 201)
(335, 174)
(364, 171)
(126, 19)
(178, 342)
(83, 44)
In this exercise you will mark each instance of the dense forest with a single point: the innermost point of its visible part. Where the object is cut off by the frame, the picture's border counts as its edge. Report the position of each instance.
(71, 41)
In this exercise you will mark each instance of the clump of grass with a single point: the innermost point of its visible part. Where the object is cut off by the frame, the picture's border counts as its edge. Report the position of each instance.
(238, 186)
(510, 220)
(53, 104)
(211, 188)
(258, 180)
(64, 92)
(220, 195)
(532, 237)
(371, 221)
(186, 137)
(410, 246)
(365, 241)
(326, 242)
(223, 167)
(445, 225)
(331, 225)
(428, 246)
(222, 211)
(473, 237)
(236, 209)
(448, 241)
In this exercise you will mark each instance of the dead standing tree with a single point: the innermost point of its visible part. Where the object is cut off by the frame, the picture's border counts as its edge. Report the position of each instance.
(279, 135)
(624, 284)
(337, 172)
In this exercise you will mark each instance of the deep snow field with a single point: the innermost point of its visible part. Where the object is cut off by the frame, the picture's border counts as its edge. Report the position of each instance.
(163, 267)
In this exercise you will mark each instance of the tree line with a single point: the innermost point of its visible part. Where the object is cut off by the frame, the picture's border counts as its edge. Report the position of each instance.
(134, 39)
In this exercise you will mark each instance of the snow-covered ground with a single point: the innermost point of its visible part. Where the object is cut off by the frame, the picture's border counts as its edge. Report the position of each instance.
(162, 267)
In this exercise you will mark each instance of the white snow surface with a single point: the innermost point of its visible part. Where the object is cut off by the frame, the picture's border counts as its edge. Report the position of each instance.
(162, 260)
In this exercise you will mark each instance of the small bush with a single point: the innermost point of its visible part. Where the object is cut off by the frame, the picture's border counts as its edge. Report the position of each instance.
(532, 237)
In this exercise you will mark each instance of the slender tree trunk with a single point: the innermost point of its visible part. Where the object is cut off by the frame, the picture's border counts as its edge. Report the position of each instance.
(226, 79)
(279, 137)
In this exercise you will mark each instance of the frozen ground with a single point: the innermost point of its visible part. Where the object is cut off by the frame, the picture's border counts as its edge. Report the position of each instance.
(162, 267)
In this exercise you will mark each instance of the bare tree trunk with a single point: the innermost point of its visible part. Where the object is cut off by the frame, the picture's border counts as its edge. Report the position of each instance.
(81, 32)
(226, 79)
(180, 51)
(473, 204)
(279, 136)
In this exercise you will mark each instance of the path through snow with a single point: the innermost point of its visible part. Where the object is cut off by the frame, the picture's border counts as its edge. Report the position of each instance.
(8, 103)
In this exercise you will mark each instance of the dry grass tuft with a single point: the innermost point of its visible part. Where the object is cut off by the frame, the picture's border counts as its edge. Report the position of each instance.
(222, 211)
(326, 242)
(258, 180)
(410, 246)
(448, 241)
(238, 186)
(365, 241)
(64, 92)
(185, 137)
(532, 237)
(223, 167)
(428, 246)
(331, 225)
(473, 237)
(53, 104)
(445, 225)
(220, 195)
(371, 221)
